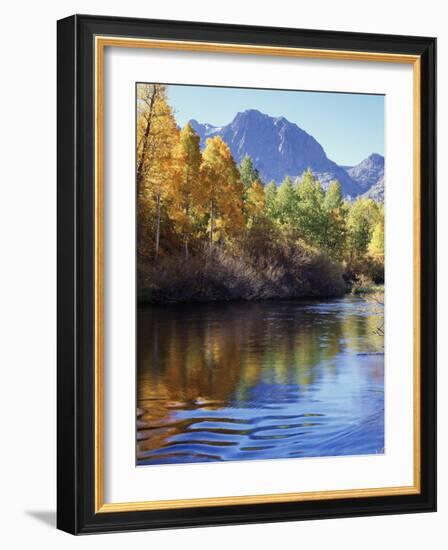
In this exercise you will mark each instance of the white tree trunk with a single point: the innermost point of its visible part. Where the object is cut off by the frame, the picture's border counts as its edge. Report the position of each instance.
(158, 227)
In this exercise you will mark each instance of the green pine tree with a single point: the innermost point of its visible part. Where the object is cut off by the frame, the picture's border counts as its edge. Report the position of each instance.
(248, 172)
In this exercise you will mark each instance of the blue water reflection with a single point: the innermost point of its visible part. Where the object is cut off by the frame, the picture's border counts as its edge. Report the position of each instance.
(273, 379)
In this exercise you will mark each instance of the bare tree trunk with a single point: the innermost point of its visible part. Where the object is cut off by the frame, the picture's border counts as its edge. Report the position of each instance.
(186, 236)
(145, 145)
(212, 227)
(158, 226)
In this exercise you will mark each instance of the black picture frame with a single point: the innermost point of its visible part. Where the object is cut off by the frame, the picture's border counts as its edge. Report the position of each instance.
(76, 269)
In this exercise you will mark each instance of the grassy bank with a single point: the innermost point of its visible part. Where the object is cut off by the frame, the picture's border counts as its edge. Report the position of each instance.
(371, 288)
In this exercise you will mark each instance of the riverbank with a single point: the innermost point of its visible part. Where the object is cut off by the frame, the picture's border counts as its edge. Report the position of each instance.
(226, 278)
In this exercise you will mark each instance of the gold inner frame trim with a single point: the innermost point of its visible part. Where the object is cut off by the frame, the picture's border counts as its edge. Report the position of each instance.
(101, 42)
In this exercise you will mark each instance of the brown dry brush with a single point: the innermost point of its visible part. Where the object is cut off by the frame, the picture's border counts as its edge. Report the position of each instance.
(273, 271)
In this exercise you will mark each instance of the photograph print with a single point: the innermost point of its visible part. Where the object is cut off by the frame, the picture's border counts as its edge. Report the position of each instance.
(260, 274)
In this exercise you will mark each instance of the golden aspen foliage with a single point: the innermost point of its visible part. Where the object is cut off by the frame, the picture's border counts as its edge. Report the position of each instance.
(223, 191)
(376, 245)
(255, 202)
(362, 217)
(185, 191)
(157, 136)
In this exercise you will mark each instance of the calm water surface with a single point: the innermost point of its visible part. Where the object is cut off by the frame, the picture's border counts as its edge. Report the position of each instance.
(274, 379)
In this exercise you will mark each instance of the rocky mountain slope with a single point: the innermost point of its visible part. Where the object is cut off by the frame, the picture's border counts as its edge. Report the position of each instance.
(279, 148)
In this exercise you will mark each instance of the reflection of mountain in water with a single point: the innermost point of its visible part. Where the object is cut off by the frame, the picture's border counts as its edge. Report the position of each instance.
(261, 380)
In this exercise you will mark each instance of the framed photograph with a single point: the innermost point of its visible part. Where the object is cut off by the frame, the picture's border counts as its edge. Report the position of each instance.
(246, 274)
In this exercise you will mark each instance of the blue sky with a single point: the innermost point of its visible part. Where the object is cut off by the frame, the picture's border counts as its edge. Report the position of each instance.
(348, 126)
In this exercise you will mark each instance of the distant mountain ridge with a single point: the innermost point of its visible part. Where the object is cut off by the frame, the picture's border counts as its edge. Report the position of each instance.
(369, 175)
(280, 148)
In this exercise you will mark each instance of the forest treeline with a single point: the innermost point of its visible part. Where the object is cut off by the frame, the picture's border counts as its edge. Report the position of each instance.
(208, 229)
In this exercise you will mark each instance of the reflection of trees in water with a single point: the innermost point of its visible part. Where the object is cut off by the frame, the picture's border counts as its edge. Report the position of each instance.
(214, 352)
(213, 356)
